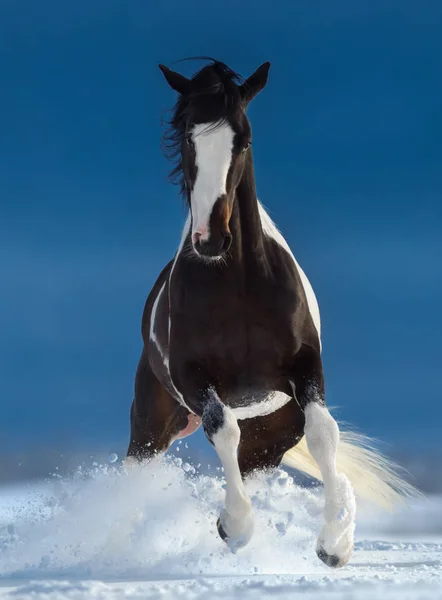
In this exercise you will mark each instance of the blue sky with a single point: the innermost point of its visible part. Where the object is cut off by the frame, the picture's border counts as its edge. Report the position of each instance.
(348, 158)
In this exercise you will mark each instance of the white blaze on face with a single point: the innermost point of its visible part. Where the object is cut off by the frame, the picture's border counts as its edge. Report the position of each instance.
(213, 148)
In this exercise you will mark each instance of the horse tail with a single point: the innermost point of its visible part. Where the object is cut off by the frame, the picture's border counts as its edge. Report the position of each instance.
(375, 478)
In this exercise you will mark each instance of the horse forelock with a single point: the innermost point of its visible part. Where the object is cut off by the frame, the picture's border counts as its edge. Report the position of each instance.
(214, 98)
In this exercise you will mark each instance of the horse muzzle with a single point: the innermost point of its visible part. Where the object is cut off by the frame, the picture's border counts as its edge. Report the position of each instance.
(214, 246)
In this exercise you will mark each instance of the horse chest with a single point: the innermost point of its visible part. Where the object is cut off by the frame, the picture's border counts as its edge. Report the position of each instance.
(241, 329)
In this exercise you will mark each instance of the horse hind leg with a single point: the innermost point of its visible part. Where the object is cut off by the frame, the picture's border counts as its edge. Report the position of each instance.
(235, 524)
(336, 539)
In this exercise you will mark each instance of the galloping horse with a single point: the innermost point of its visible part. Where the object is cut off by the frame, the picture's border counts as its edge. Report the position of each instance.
(231, 329)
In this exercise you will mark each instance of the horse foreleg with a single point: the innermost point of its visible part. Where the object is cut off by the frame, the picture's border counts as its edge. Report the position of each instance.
(235, 524)
(335, 543)
(156, 418)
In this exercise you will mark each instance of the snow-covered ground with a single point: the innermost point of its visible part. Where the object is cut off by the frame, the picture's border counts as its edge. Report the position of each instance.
(150, 533)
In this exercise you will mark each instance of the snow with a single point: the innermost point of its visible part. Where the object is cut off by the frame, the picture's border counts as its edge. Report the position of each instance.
(151, 533)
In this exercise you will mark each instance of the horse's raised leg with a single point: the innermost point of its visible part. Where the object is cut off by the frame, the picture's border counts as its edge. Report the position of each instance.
(335, 543)
(235, 524)
(156, 418)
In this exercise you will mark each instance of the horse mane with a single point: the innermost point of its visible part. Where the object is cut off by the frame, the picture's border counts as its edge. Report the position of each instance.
(215, 82)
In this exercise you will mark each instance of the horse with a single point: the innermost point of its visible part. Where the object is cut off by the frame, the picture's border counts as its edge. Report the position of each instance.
(232, 331)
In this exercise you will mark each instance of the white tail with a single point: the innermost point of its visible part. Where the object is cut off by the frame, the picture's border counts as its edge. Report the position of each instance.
(374, 477)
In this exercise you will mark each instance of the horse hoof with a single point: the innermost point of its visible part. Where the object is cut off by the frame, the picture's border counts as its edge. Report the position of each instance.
(222, 534)
(235, 543)
(331, 560)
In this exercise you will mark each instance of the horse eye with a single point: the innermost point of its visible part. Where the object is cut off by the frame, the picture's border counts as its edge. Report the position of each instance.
(189, 141)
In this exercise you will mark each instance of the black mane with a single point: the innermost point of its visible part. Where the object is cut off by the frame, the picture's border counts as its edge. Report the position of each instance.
(214, 96)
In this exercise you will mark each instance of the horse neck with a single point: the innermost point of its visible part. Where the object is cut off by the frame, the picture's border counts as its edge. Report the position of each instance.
(245, 224)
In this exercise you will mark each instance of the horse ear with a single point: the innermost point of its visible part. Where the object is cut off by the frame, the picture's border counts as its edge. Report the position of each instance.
(255, 83)
(177, 82)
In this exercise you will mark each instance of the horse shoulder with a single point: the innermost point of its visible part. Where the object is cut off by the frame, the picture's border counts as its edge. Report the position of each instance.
(271, 231)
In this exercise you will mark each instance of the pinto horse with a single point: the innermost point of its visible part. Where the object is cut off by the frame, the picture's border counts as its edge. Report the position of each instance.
(231, 329)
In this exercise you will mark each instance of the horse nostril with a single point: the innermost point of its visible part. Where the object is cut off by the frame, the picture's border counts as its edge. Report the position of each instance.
(211, 247)
(226, 242)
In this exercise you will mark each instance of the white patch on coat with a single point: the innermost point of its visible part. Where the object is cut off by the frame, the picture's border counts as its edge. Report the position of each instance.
(273, 401)
(184, 235)
(213, 148)
(164, 353)
(322, 437)
(235, 517)
(172, 388)
(152, 335)
(270, 229)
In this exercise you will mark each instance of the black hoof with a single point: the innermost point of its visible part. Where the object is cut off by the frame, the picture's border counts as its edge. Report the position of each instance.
(331, 560)
(222, 534)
